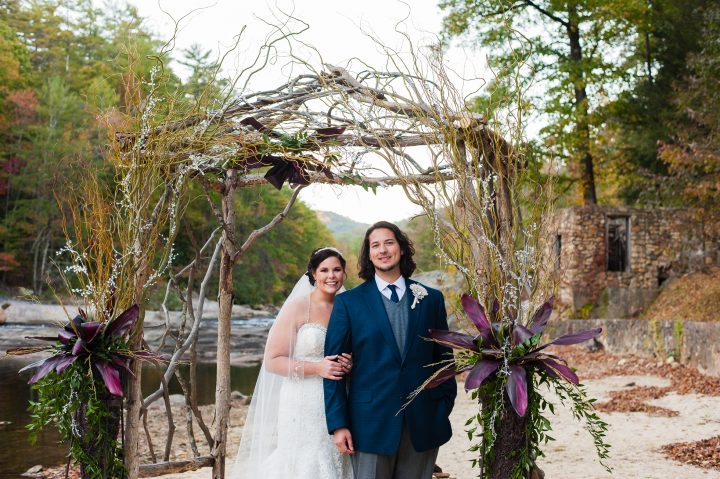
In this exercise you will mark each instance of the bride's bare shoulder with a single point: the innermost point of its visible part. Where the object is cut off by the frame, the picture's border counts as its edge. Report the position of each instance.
(295, 309)
(297, 303)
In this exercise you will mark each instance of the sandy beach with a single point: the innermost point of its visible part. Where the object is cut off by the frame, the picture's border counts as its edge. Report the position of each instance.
(635, 437)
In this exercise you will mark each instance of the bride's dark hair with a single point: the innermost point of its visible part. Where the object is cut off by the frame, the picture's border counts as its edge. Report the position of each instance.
(320, 255)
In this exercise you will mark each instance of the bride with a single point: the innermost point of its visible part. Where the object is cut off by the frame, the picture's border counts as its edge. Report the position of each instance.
(285, 433)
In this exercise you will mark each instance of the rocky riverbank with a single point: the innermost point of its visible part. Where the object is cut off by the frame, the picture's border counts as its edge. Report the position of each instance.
(24, 319)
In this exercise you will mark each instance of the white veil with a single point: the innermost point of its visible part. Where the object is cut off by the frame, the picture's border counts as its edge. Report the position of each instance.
(260, 433)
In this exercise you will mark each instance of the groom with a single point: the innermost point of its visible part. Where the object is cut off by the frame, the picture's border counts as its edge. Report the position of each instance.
(384, 323)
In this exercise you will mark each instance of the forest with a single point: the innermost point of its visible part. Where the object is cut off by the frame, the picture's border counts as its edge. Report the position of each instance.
(627, 93)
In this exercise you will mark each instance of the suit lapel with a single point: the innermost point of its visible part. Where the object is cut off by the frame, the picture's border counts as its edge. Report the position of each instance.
(413, 319)
(376, 310)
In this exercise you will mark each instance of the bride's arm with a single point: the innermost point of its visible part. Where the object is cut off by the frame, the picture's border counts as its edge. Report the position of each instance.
(281, 338)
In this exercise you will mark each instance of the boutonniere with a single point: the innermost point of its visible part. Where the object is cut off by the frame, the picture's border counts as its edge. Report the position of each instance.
(418, 292)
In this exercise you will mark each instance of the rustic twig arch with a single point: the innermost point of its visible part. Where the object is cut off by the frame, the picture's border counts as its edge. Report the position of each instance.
(315, 128)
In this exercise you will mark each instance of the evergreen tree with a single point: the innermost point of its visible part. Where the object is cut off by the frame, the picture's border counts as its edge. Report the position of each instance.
(645, 114)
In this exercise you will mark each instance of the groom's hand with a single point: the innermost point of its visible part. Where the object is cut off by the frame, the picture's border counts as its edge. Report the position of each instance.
(343, 440)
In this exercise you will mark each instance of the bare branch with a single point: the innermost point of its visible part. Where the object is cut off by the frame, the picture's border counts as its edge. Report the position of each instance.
(177, 355)
(171, 421)
(261, 231)
(551, 16)
(163, 468)
(254, 179)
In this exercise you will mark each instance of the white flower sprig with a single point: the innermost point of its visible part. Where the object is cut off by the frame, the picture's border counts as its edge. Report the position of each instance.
(419, 292)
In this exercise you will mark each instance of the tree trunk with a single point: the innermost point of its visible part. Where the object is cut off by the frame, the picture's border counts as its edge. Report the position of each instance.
(102, 451)
(511, 437)
(226, 294)
(582, 128)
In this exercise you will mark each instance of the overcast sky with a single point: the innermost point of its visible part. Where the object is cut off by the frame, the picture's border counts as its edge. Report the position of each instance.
(338, 29)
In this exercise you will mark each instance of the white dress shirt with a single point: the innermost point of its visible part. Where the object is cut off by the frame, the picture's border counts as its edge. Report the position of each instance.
(382, 285)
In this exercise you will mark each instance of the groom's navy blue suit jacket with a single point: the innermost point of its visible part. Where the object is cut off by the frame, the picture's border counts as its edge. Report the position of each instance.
(369, 402)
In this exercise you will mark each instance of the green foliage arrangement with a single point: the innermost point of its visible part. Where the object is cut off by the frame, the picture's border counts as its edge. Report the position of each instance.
(79, 388)
(86, 416)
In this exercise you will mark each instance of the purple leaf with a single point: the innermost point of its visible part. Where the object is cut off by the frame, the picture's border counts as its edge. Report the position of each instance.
(540, 355)
(111, 377)
(277, 175)
(541, 316)
(444, 375)
(255, 161)
(454, 339)
(476, 313)
(557, 369)
(78, 347)
(73, 326)
(480, 372)
(520, 334)
(122, 324)
(574, 338)
(299, 176)
(516, 387)
(33, 365)
(44, 369)
(65, 336)
(88, 331)
(64, 363)
(250, 121)
(122, 362)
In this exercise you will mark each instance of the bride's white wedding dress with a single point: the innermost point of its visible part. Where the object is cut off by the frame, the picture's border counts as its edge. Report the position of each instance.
(305, 450)
(285, 434)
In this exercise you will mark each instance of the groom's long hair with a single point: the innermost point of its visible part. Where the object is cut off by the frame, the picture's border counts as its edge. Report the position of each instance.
(366, 270)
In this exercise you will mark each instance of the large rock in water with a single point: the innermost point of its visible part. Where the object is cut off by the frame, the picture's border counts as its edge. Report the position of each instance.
(451, 283)
(35, 471)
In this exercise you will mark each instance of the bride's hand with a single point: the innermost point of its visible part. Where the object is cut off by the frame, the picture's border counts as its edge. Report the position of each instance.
(329, 368)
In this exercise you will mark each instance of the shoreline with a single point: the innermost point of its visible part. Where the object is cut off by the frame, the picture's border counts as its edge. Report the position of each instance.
(249, 330)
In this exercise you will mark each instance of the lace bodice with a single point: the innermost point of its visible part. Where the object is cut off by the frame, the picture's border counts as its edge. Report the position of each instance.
(310, 342)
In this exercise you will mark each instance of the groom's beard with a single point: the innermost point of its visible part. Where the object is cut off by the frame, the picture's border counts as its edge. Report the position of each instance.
(387, 269)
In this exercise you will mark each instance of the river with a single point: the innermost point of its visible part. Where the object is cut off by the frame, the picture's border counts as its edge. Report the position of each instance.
(17, 455)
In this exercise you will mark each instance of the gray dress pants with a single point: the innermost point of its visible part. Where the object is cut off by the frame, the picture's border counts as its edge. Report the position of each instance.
(405, 464)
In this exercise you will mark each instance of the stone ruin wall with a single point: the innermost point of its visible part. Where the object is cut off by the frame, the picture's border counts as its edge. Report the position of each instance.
(662, 242)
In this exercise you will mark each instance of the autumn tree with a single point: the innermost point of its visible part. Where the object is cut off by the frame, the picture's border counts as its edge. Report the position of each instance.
(693, 154)
(563, 52)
